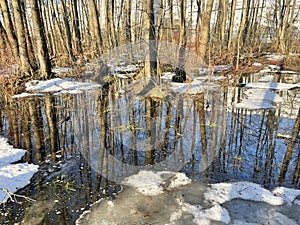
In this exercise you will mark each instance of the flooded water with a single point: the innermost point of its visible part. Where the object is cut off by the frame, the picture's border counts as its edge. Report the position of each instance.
(87, 143)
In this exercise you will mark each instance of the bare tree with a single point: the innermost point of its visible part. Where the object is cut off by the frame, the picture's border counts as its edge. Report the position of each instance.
(42, 50)
(11, 36)
(205, 27)
(19, 24)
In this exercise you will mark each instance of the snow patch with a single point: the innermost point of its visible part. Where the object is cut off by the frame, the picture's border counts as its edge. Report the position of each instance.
(253, 104)
(25, 95)
(210, 78)
(192, 88)
(59, 85)
(263, 94)
(201, 216)
(60, 70)
(223, 192)
(272, 86)
(151, 183)
(125, 69)
(257, 64)
(8, 154)
(13, 176)
(167, 76)
(267, 78)
(287, 194)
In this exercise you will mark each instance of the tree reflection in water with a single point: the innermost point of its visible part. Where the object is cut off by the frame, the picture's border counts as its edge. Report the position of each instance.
(103, 136)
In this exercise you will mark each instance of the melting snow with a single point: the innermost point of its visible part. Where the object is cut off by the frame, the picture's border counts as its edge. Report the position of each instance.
(13, 176)
(223, 192)
(190, 202)
(151, 183)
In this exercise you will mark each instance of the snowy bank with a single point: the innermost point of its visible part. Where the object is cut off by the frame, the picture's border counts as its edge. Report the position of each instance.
(13, 176)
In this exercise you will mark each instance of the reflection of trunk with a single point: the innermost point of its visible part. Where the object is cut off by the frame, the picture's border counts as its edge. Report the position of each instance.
(150, 135)
(51, 115)
(232, 129)
(297, 171)
(289, 152)
(259, 142)
(37, 127)
(102, 119)
(201, 108)
(26, 128)
(242, 125)
(13, 129)
(224, 130)
(193, 145)
(273, 129)
(166, 144)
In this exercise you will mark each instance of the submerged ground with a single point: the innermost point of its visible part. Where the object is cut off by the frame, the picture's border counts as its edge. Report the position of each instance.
(88, 140)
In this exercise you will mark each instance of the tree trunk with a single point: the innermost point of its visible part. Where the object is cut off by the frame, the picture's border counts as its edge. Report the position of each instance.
(180, 73)
(128, 21)
(9, 29)
(231, 24)
(19, 25)
(242, 24)
(67, 29)
(95, 28)
(205, 29)
(41, 46)
(76, 27)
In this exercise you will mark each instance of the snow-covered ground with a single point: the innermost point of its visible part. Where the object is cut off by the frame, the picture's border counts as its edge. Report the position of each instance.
(13, 176)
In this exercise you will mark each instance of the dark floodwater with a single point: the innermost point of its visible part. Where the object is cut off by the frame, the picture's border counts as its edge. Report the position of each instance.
(87, 143)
